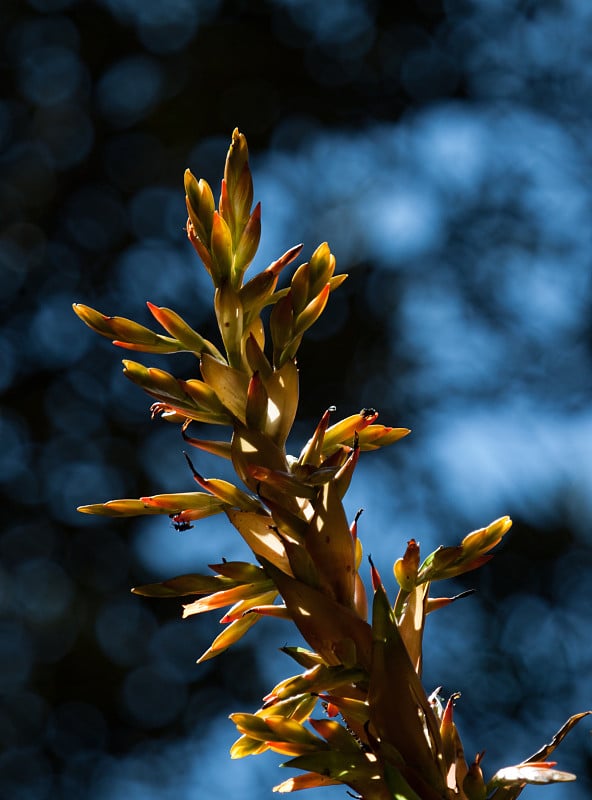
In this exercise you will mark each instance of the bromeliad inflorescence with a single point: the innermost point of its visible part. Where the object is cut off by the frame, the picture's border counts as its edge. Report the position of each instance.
(378, 732)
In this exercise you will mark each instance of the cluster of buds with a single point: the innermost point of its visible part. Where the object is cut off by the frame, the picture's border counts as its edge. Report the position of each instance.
(378, 731)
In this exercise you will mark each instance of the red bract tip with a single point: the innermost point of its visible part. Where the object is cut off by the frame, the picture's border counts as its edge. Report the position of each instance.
(375, 576)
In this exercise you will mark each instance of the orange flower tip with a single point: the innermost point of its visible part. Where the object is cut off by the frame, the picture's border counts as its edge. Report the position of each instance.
(258, 473)
(374, 575)
(448, 711)
(477, 761)
(286, 259)
(331, 709)
(269, 700)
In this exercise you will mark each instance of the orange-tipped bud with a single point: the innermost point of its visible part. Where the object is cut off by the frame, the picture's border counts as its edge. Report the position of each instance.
(225, 491)
(343, 432)
(322, 267)
(435, 603)
(312, 450)
(406, 568)
(200, 205)
(201, 247)
(375, 576)
(473, 783)
(309, 315)
(375, 436)
(221, 250)
(247, 245)
(184, 333)
(257, 399)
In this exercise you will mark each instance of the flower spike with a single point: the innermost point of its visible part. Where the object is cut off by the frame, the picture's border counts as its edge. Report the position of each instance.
(357, 713)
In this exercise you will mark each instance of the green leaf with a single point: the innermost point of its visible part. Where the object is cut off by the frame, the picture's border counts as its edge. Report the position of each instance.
(327, 626)
(230, 385)
(354, 769)
(258, 531)
(185, 585)
(399, 709)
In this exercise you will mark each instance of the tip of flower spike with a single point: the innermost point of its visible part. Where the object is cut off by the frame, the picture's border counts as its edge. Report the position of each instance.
(374, 575)
(277, 266)
(353, 528)
(449, 708)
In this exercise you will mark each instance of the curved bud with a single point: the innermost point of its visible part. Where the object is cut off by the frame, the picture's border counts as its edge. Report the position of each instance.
(257, 400)
(474, 783)
(406, 568)
(221, 250)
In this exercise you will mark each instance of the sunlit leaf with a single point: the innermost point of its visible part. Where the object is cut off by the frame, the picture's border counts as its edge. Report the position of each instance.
(319, 678)
(226, 597)
(308, 780)
(325, 624)
(521, 774)
(127, 333)
(376, 436)
(169, 504)
(547, 749)
(229, 384)
(258, 532)
(247, 746)
(399, 709)
(343, 432)
(184, 586)
(231, 634)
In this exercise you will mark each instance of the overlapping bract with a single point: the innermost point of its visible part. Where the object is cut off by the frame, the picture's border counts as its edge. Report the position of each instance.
(381, 734)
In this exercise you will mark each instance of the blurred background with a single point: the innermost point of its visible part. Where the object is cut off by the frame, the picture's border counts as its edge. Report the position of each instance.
(442, 147)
